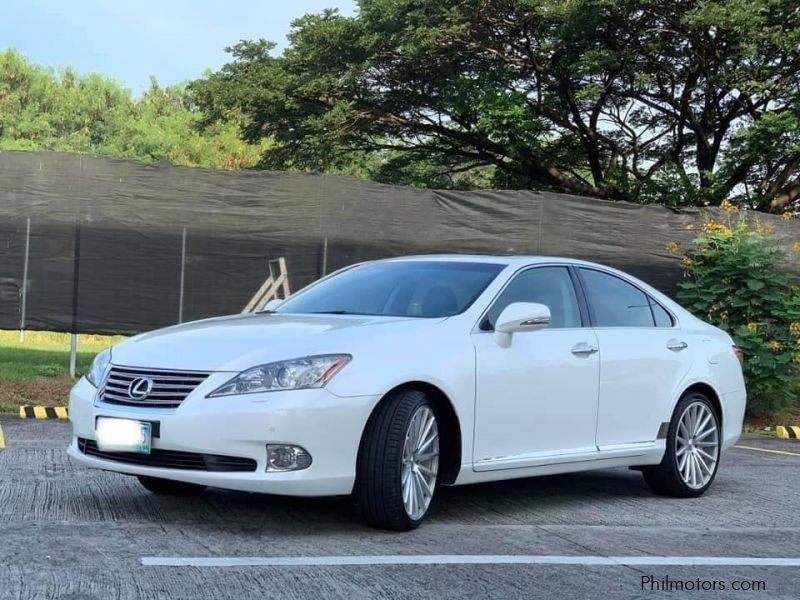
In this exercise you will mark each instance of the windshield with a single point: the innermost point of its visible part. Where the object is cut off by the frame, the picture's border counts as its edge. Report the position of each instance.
(397, 289)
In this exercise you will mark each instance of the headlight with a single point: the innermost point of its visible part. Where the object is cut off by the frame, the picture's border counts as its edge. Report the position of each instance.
(296, 374)
(98, 368)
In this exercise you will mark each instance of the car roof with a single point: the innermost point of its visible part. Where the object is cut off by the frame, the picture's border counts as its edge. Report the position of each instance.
(509, 260)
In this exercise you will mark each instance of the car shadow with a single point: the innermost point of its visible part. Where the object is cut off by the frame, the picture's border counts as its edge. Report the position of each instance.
(501, 502)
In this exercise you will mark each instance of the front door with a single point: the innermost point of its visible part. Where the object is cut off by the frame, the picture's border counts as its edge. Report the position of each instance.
(536, 399)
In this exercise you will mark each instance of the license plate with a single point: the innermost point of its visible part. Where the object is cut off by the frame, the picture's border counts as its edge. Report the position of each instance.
(123, 435)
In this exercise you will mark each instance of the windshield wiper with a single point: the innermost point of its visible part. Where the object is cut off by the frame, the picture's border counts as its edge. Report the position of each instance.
(333, 312)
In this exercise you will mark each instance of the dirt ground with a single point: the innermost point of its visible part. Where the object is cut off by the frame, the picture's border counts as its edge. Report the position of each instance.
(41, 391)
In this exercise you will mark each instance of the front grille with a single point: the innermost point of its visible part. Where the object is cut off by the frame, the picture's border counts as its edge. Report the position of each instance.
(167, 390)
(171, 459)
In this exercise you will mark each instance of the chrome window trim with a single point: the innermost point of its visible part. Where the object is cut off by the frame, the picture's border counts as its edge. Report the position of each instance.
(476, 328)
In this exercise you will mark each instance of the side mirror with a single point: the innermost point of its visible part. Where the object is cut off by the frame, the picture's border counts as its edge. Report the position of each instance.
(272, 304)
(523, 316)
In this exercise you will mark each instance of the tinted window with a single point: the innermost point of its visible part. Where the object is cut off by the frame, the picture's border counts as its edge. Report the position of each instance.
(550, 286)
(397, 288)
(662, 317)
(616, 303)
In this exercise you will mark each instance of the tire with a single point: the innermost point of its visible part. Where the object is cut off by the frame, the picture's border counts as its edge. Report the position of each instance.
(170, 487)
(388, 458)
(690, 476)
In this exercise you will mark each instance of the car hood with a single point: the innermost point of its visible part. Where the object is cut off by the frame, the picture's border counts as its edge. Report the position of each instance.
(239, 342)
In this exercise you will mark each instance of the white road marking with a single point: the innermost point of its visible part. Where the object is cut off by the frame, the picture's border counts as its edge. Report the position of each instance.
(465, 559)
(784, 452)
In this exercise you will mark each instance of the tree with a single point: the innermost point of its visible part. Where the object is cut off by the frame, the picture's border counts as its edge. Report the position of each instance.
(673, 101)
(40, 109)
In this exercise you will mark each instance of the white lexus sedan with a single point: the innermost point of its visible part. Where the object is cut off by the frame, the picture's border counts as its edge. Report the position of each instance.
(387, 379)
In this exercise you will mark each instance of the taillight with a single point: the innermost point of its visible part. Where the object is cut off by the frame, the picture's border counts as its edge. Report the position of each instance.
(739, 354)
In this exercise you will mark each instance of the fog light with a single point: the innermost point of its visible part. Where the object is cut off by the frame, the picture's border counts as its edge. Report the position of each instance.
(282, 457)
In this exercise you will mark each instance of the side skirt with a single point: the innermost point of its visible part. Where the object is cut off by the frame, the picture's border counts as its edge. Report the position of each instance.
(626, 455)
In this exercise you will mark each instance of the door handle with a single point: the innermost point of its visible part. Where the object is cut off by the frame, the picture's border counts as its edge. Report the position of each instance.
(677, 345)
(583, 349)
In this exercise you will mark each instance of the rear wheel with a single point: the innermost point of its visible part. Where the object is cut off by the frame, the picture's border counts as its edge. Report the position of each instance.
(398, 463)
(692, 456)
(168, 486)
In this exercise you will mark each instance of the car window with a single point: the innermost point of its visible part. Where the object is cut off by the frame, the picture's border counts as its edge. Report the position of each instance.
(397, 288)
(551, 286)
(662, 317)
(616, 303)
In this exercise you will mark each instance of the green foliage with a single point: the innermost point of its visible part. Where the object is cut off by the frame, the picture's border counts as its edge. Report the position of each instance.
(646, 100)
(40, 109)
(50, 370)
(737, 280)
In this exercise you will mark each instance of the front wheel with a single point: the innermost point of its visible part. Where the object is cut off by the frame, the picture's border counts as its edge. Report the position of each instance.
(398, 462)
(693, 449)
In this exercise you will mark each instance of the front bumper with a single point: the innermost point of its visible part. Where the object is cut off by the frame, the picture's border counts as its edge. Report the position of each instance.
(329, 427)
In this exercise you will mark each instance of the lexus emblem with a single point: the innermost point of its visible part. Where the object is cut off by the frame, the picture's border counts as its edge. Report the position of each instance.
(140, 388)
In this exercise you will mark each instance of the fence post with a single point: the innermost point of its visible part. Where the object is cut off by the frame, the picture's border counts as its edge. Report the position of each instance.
(73, 341)
(325, 256)
(183, 276)
(24, 307)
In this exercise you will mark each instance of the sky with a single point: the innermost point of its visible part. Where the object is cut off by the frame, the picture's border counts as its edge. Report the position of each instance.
(128, 40)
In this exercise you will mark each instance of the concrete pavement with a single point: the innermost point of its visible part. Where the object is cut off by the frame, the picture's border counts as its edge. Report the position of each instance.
(67, 532)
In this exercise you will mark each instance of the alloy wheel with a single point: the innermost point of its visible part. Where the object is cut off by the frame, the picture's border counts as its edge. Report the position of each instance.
(697, 445)
(420, 462)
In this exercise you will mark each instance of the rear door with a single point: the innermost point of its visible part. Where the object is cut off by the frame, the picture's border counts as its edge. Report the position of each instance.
(643, 358)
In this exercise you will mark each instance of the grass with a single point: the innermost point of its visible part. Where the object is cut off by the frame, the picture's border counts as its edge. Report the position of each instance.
(36, 370)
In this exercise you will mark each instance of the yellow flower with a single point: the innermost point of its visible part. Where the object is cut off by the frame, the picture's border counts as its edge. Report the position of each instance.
(723, 315)
(687, 262)
(763, 228)
(775, 345)
(690, 227)
(712, 226)
(796, 246)
(796, 359)
(672, 247)
(794, 329)
(787, 216)
(729, 207)
(752, 327)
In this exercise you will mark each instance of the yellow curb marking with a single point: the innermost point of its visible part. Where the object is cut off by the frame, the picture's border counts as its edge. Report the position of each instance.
(766, 450)
(2, 439)
(44, 412)
(787, 432)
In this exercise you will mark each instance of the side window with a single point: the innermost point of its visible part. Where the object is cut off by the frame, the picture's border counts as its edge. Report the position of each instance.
(616, 303)
(662, 317)
(550, 286)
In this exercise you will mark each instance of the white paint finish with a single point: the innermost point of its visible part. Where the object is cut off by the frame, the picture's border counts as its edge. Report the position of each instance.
(469, 559)
(534, 398)
(544, 417)
(639, 376)
(559, 464)
(249, 422)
